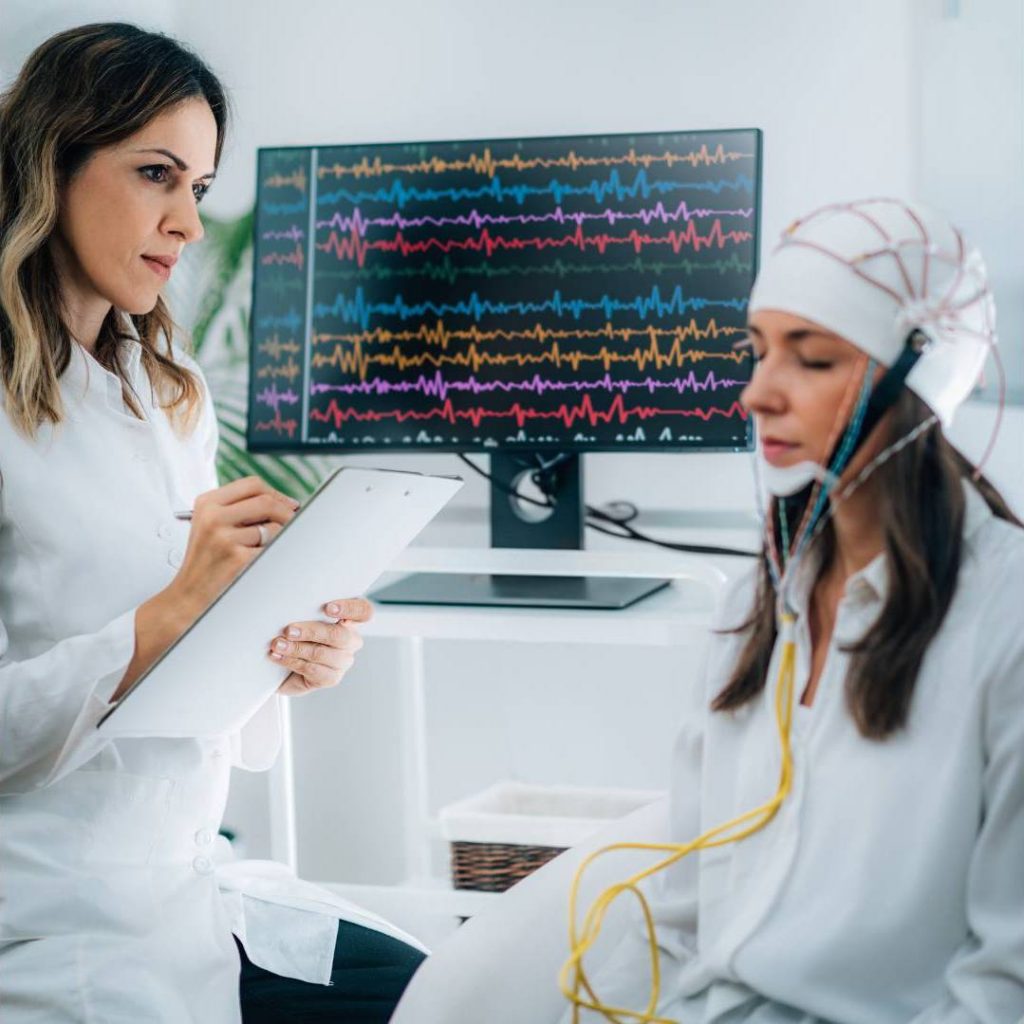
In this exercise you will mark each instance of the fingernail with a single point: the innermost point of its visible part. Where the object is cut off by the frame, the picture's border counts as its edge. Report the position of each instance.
(281, 645)
(333, 609)
(292, 632)
(275, 655)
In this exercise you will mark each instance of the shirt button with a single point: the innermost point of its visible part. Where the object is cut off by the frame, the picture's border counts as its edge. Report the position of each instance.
(203, 837)
(165, 532)
(174, 559)
(202, 866)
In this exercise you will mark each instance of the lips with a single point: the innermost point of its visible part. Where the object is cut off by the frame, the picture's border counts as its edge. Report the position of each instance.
(775, 449)
(161, 265)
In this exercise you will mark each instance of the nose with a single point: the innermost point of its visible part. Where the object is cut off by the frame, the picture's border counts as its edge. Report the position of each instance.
(183, 219)
(762, 394)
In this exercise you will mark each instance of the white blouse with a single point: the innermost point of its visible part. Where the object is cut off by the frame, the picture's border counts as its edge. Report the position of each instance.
(110, 908)
(890, 887)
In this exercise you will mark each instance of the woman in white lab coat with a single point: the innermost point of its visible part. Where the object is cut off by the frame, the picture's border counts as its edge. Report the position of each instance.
(110, 909)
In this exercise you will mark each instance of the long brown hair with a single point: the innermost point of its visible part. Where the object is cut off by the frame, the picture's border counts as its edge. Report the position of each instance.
(922, 513)
(82, 89)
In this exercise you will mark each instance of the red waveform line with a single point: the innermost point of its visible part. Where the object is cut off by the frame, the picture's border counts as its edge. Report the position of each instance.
(487, 164)
(356, 248)
(289, 371)
(297, 179)
(274, 347)
(278, 425)
(442, 336)
(568, 414)
(295, 257)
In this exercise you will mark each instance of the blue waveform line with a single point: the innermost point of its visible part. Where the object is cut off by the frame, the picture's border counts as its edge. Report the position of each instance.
(358, 310)
(290, 321)
(398, 194)
(284, 208)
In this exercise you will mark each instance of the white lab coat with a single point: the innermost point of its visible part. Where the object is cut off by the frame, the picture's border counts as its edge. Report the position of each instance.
(889, 889)
(110, 909)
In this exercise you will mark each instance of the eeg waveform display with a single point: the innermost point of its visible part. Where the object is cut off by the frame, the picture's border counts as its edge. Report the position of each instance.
(572, 294)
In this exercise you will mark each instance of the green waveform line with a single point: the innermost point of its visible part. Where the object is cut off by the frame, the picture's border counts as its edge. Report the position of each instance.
(279, 285)
(449, 272)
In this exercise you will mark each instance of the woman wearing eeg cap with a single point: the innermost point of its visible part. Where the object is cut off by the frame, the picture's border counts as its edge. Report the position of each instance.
(869, 673)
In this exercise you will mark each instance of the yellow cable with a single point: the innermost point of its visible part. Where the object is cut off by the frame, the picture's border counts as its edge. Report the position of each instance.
(573, 977)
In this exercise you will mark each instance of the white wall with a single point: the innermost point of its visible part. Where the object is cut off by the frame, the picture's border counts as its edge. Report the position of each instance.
(876, 97)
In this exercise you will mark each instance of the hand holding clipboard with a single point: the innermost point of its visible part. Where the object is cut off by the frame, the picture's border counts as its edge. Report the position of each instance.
(217, 674)
(229, 526)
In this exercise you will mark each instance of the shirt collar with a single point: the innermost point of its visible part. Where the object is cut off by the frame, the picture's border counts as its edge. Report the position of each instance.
(87, 379)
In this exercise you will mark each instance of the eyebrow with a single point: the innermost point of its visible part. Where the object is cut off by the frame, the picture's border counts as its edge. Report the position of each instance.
(178, 162)
(796, 335)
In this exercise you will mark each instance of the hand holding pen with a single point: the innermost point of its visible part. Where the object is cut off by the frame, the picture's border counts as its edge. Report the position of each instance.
(221, 543)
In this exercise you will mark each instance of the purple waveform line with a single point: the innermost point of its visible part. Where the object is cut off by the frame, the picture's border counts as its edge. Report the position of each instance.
(295, 233)
(274, 398)
(437, 387)
(558, 216)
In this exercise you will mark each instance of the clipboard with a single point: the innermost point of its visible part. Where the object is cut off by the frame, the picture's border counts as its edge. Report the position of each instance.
(217, 674)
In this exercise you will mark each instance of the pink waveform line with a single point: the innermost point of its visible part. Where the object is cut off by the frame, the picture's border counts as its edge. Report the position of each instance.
(361, 224)
(274, 398)
(436, 386)
(294, 233)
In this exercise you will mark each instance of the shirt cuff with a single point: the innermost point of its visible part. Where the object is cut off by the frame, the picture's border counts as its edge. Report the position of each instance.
(113, 656)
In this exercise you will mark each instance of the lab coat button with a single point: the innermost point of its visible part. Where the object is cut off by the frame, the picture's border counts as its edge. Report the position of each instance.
(204, 837)
(174, 559)
(141, 456)
(165, 532)
(202, 865)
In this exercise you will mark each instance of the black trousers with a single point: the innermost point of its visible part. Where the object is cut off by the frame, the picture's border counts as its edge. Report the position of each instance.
(370, 973)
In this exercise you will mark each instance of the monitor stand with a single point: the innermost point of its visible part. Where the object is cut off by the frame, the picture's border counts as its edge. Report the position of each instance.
(518, 524)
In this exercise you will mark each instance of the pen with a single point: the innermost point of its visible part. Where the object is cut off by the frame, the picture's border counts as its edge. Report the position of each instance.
(183, 514)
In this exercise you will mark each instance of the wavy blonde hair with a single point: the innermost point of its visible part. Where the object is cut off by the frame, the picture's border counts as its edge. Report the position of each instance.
(120, 78)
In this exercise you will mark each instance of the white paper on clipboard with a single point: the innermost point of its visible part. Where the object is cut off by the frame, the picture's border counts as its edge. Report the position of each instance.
(217, 674)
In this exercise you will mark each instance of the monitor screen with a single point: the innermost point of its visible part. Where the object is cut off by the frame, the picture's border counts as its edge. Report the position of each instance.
(581, 293)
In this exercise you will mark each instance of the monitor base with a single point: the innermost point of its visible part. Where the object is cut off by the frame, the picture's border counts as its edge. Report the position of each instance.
(486, 589)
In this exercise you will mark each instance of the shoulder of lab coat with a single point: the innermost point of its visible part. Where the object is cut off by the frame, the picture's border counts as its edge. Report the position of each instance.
(51, 704)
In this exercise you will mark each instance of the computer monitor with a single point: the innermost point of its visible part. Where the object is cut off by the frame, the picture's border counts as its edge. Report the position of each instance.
(522, 298)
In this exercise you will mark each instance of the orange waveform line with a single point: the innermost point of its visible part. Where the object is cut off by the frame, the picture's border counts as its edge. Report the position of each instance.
(356, 361)
(297, 179)
(356, 247)
(274, 347)
(487, 164)
(289, 371)
(442, 336)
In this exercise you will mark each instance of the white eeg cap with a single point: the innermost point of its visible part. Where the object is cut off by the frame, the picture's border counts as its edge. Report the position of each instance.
(872, 271)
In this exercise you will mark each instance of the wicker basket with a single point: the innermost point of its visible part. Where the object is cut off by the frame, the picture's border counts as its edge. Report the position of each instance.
(501, 835)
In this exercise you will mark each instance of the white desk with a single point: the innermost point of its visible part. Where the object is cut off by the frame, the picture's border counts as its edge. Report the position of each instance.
(677, 616)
